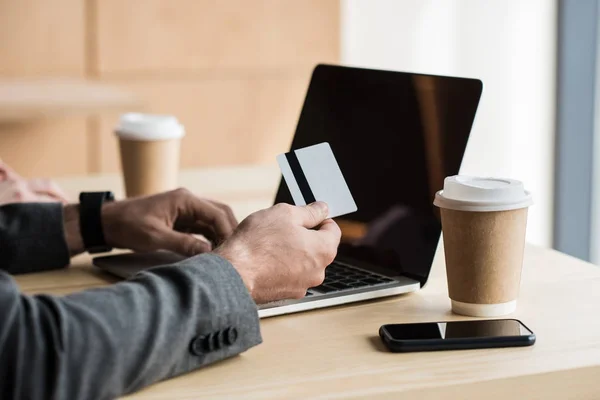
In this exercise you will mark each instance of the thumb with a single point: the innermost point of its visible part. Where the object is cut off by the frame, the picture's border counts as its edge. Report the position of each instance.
(314, 214)
(183, 243)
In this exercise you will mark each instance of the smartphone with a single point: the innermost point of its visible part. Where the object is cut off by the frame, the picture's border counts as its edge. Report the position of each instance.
(456, 335)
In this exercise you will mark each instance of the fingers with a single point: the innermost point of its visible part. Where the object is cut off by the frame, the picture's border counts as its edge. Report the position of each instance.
(331, 231)
(12, 192)
(228, 211)
(312, 215)
(198, 228)
(38, 190)
(17, 191)
(328, 238)
(213, 216)
(182, 243)
(6, 172)
(198, 210)
(48, 188)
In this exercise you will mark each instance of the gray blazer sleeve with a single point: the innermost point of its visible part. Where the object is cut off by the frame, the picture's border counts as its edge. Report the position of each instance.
(32, 237)
(106, 342)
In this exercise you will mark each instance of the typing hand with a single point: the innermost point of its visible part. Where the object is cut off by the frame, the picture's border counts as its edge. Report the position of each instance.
(278, 253)
(167, 221)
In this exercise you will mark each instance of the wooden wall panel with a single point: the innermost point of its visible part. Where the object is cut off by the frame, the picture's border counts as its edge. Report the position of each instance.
(234, 71)
(228, 122)
(159, 36)
(42, 37)
(46, 148)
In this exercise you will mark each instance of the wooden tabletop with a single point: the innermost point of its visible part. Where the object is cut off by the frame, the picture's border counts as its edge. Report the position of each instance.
(336, 353)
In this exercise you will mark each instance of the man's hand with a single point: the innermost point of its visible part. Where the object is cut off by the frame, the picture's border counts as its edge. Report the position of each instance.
(167, 221)
(282, 251)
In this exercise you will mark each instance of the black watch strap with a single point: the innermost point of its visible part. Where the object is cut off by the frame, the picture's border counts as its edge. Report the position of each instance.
(90, 220)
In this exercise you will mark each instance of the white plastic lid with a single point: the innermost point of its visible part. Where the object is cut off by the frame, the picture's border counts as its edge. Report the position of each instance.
(136, 126)
(467, 193)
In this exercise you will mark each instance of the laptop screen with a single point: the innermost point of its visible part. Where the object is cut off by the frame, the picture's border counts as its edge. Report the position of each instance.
(395, 136)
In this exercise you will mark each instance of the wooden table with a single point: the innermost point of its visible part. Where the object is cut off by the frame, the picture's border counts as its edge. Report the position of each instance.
(336, 353)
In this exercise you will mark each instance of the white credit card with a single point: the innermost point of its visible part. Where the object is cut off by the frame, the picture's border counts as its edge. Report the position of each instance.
(313, 174)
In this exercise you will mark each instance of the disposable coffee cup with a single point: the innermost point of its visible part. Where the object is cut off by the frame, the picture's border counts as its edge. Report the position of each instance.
(483, 223)
(150, 152)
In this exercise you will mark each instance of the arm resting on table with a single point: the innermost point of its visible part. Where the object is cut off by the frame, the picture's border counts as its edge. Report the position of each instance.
(32, 237)
(102, 343)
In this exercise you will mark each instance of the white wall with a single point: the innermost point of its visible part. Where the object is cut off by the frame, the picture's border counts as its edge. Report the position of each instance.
(595, 228)
(508, 44)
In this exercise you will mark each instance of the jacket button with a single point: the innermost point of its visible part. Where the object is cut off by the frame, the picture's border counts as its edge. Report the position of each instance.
(197, 346)
(217, 342)
(221, 338)
(211, 342)
(231, 335)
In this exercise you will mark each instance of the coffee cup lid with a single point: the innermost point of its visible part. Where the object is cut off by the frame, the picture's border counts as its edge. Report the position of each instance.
(469, 193)
(137, 126)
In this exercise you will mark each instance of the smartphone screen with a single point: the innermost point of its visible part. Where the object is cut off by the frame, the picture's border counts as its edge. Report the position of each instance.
(457, 330)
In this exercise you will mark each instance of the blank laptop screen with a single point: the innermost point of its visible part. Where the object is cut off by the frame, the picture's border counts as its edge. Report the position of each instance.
(395, 136)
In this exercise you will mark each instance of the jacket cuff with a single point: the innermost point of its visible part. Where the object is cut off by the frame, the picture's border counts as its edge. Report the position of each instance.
(230, 324)
(33, 238)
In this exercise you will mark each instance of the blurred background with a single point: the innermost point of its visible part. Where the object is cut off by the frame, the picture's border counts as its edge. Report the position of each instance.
(235, 73)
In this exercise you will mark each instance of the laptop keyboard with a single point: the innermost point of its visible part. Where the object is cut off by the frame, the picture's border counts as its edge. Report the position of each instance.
(340, 277)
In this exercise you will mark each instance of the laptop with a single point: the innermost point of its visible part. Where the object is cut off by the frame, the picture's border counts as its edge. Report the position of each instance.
(395, 135)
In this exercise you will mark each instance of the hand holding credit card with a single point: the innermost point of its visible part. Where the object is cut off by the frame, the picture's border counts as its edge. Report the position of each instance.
(313, 174)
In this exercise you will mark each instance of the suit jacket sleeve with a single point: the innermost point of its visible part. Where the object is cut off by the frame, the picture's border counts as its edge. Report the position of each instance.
(32, 237)
(106, 342)
(102, 343)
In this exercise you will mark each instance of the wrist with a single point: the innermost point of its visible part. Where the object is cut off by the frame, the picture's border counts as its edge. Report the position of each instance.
(110, 217)
(234, 254)
(72, 229)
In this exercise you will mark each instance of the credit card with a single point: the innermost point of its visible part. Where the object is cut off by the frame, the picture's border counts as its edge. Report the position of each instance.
(313, 174)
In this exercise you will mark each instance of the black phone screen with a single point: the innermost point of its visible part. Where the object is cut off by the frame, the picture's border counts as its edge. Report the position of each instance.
(458, 330)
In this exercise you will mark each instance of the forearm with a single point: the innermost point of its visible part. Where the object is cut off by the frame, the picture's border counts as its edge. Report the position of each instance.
(107, 342)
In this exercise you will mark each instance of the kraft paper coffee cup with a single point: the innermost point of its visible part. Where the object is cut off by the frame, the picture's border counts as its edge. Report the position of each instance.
(483, 223)
(150, 152)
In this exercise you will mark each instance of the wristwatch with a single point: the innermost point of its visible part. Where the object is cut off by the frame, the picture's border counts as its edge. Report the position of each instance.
(90, 220)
